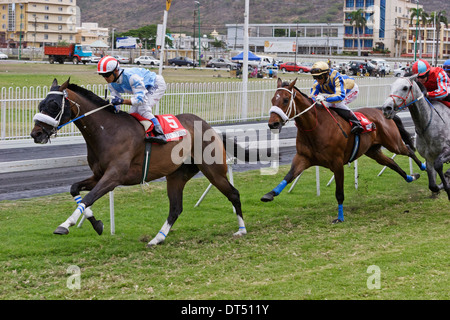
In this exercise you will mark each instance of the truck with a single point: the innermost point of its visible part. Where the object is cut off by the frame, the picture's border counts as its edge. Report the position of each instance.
(74, 52)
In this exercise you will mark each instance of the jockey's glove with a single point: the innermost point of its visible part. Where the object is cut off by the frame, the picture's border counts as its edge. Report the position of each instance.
(320, 98)
(116, 102)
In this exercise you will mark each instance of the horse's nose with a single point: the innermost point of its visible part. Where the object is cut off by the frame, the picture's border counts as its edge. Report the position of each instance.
(387, 110)
(275, 125)
(36, 135)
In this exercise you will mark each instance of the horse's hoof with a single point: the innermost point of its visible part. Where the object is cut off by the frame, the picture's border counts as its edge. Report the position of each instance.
(267, 197)
(98, 227)
(240, 233)
(336, 221)
(61, 230)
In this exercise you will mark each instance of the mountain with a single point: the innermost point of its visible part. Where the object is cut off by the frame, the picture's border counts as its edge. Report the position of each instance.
(124, 15)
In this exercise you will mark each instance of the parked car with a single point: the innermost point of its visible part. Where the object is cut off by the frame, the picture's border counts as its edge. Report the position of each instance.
(182, 61)
(221, 63)
(95, 59)
(400, 72)
(122, 59)
(341, 67)
(354, 67)
(149, 60)
(292, 66)
(3, 56)
(382, 62)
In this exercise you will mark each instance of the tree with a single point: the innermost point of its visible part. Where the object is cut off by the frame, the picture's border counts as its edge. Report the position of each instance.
(438, 18)
(357, 18)
(146, 35)
(422, 16)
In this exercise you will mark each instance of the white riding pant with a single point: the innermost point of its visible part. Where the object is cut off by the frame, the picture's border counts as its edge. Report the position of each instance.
(151, 99)
(351, 96)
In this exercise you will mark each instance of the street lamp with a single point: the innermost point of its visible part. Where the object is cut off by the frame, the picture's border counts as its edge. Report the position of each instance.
(199, 35)
(417, 33)
(20, 34)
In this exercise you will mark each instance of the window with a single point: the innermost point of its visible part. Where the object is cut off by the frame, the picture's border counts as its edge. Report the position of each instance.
(350, 3)
(348, 30)
(348, 43)
(360, 3)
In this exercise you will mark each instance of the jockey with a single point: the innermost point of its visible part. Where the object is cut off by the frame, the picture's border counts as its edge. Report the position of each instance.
(446, 67)
(435, 80)
(147, 88)
(340, 90)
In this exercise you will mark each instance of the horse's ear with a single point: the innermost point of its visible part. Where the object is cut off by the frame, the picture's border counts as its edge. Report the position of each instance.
(55, 83)
(64, 85)
(279, 82)
(292, 84)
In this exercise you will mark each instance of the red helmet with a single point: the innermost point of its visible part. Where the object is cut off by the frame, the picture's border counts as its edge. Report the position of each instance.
(421, 67)
(107, 64)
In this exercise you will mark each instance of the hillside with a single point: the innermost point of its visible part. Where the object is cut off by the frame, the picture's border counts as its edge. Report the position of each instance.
(131, 14)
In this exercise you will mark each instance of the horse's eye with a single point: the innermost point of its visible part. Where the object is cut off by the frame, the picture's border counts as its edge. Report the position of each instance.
(285, 100)
(405, 88)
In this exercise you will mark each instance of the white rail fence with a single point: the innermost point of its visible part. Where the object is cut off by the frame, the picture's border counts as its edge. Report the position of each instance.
(215, 102)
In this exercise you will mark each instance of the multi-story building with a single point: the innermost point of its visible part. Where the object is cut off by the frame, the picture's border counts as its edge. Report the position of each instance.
(35, 23)
(308, 38)
(388, 26)
(90, 32)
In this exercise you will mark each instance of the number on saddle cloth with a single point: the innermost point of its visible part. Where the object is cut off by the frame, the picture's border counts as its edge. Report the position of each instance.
(366, 123)
(171, 126)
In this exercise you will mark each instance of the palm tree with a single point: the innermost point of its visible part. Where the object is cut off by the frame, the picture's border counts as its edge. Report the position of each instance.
(440, 18)
(421, 15)
(357, 18)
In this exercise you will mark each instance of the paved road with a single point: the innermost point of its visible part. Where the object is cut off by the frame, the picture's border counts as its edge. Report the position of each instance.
(35, 183)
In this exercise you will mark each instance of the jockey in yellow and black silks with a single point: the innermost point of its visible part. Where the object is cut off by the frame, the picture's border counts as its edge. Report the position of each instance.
(335, 91)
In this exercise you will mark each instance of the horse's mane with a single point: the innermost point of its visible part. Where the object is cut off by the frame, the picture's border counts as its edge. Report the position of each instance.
(90, 96)
(285, 84)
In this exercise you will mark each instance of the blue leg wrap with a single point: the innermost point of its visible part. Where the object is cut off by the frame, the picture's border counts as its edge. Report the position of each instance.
(409, 178)
(341, 212)
(423, 167)
(280, 187)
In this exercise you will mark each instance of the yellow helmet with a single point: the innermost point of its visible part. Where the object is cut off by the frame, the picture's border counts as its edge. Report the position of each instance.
(319, 68)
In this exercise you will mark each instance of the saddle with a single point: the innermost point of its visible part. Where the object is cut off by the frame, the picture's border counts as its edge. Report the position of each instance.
(171, 126)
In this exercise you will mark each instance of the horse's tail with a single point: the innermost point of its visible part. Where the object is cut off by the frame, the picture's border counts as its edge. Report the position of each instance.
(406, 137)
(234, 149)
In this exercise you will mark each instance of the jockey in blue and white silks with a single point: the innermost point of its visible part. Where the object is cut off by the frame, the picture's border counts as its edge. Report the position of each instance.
(146, 87)
(335, 91)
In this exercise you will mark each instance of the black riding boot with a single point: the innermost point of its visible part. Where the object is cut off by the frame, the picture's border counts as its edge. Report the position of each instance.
(159, 137)
(348, 115)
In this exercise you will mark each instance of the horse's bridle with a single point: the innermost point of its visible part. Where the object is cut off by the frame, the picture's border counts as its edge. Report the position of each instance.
(282, 114)
(54, 122)
(399, 107)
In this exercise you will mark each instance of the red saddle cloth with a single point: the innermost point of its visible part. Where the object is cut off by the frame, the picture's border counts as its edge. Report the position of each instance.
(366, 124)
(171, 126)
(447, 103)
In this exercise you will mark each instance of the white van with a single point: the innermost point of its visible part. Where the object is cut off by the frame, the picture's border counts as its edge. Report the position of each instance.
(266, 60)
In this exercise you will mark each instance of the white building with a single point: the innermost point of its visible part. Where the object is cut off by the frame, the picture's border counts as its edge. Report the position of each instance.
(308, 38)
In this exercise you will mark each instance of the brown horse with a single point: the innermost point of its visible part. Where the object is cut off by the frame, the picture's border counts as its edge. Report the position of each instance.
(116, 148)
(324, 139)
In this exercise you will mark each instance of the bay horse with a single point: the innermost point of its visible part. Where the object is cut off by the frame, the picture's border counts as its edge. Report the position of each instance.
(324, 139)
(115, 153)
(432, 122)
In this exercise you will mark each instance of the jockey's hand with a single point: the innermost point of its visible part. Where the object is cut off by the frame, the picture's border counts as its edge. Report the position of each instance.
(320, 98)
(117, 101)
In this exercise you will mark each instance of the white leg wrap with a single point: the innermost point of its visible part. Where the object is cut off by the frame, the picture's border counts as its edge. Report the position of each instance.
(161, 236)
(242, 230)
(72, 220)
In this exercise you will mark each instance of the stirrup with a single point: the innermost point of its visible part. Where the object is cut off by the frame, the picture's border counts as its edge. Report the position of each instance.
(160, 139)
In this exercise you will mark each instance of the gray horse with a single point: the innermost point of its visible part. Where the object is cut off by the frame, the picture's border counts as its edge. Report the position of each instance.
(432, 122)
